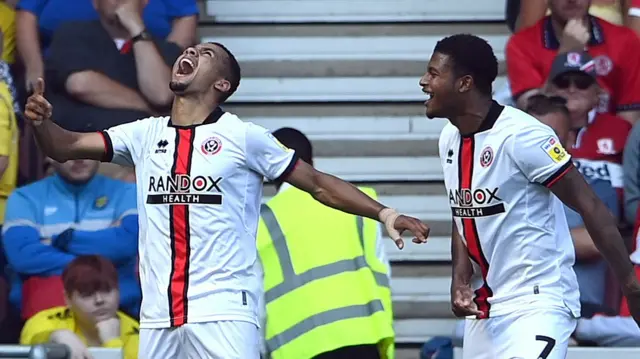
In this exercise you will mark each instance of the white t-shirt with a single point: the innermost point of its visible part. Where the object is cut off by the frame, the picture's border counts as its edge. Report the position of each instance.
(514, 227)
(199, 191)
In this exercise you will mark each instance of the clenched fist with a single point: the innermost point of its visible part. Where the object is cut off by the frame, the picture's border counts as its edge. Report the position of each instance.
(38, 109)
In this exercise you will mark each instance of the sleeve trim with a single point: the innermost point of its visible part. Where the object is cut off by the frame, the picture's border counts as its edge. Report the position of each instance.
(557, 175)
(108, 147)
(287, 171)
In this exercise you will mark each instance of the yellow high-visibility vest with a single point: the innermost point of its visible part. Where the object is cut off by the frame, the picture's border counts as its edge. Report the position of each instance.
(324, 286)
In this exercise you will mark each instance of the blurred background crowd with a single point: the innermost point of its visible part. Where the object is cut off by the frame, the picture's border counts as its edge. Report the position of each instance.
(347, 78)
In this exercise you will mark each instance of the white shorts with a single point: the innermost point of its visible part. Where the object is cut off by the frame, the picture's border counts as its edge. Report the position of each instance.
(533, 333)
(212, 340)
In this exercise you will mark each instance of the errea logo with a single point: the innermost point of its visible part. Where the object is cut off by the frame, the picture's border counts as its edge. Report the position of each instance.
(162, 146)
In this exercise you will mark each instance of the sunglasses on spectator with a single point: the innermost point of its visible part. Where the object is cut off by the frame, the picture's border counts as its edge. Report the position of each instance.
(579, 82)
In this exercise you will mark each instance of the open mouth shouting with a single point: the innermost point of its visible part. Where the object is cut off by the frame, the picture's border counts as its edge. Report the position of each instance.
(186, 67)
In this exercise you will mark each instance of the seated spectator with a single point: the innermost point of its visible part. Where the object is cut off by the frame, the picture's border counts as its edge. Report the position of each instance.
(8, 177)
(97, 78)
(531, 11)
(596, 144)
(633, 18)
(8, 147)
(615, 50)
(90, 317)
(72, 213)
(38, 20)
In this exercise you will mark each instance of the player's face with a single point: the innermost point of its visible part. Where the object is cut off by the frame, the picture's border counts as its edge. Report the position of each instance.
(199, 70)
(438, 84)
(94, 307)
(566, 10)
(77, 171)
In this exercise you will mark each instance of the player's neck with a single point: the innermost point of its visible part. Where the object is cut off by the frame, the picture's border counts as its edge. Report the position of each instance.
(187, 111)
(475, 111)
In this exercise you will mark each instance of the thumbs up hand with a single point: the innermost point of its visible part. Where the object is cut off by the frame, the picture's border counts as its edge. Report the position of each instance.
(38, 109)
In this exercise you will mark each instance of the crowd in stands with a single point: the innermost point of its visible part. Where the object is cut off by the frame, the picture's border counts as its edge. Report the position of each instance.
(70, 230)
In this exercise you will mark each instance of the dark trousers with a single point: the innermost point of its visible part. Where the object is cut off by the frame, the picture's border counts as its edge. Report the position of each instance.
(367, 351)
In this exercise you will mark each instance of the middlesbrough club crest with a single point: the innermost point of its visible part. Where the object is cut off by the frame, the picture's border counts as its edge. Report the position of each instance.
(211, 146)
(486, 157)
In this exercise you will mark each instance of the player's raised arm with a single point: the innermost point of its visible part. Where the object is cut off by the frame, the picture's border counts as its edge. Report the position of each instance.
(56, 142)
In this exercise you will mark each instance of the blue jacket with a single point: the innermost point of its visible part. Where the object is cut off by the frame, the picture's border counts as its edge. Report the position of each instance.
(78, 220)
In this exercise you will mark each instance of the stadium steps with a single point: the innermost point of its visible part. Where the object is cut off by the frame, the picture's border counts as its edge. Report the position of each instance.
(346, 73)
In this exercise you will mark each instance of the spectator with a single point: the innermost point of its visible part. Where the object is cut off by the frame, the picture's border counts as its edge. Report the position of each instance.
(633, 18)
(74, 212)
(597, 153)
(532, 11)
(615, 50)
(8, 177)
(38, 20)
(90, 317)
(292, 222)
(99, 79)
(8, 147)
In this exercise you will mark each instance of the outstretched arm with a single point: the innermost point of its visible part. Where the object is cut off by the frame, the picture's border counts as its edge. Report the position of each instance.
(268, 157)
(341, 195)
(600, 223)
(56, 142)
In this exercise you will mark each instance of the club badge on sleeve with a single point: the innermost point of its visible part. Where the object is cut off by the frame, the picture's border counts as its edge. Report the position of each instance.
(554, 149)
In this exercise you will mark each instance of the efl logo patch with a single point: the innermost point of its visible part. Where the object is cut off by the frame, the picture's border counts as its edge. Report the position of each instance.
(554, 149)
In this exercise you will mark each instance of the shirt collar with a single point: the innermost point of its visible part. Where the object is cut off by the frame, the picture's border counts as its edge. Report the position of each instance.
(212, 118)
(550, 41)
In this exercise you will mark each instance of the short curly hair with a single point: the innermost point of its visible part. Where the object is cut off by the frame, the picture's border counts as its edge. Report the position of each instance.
(471, 56)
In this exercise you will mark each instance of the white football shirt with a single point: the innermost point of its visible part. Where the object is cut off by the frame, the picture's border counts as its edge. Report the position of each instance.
(514, 227)
(199, 191)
